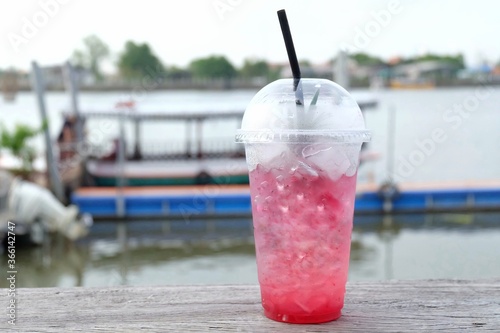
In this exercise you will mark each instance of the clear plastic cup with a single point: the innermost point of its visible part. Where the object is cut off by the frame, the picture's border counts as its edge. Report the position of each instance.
(302, 149)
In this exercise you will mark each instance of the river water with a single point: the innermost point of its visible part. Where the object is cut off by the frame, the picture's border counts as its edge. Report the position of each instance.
(441, 135)
(461, 246)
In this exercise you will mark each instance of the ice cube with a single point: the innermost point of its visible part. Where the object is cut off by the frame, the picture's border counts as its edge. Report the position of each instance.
(311, 150)
(307, 170)
(339, 160)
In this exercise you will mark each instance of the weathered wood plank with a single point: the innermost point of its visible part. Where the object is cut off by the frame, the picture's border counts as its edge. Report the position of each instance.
(397, 306)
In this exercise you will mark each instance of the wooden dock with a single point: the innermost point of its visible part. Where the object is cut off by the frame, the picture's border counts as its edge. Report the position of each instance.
(392, 306)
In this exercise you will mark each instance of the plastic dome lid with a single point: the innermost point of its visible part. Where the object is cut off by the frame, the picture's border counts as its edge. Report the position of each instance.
(326, 112)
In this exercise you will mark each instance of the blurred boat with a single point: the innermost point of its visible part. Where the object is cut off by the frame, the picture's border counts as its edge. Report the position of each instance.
(193, 160)
(184, 202)
(196, 160)
(412, 83)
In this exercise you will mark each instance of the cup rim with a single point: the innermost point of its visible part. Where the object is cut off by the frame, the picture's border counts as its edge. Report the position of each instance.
(302, 136)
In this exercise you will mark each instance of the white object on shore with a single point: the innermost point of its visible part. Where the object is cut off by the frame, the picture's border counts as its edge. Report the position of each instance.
(28, 203)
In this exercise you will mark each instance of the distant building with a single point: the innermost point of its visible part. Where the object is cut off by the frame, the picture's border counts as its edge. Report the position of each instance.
(54, 77)
(482, 72)
(9, 84)
(433, 70)
(314, 70)
(358, 75)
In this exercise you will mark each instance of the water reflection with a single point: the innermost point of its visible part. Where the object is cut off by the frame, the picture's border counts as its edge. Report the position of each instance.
(220, 252)
(59, 264)
(427, 246)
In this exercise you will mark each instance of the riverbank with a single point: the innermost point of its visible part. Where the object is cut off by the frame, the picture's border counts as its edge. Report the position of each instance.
(149, 84)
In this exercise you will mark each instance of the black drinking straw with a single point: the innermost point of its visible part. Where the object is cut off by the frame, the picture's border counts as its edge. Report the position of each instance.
(292, 56)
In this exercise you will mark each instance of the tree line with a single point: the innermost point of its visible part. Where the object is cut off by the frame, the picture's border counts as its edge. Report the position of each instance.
(138, 60)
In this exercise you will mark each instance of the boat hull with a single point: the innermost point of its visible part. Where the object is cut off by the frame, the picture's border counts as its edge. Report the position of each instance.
(220, 200)
(220, 171)
(180, 181)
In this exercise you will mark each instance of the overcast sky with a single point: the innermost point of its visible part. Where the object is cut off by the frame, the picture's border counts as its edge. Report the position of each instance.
(179, 31)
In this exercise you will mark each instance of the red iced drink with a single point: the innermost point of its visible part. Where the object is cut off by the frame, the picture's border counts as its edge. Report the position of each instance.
(302, 152)
(303, 225)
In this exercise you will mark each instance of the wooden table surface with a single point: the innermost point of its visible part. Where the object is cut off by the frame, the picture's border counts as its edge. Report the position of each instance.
(392, 306)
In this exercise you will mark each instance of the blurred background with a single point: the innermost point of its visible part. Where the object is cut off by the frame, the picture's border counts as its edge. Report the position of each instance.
(128, 112)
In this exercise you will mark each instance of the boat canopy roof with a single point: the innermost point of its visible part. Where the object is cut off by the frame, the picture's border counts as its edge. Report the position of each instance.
(137, 115)
(158, 115)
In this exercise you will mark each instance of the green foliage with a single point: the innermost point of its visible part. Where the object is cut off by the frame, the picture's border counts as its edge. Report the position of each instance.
(274, 74)
(79, 59)
(305, 63)
(212, 67)
(95, 50)
(138, 60)
(364, 59)
(254, 68)
(17, 143)
(456, 60)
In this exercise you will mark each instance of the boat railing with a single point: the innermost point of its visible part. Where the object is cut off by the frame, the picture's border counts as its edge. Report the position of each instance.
(151, 150)
(148, 150)
(210, 148)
